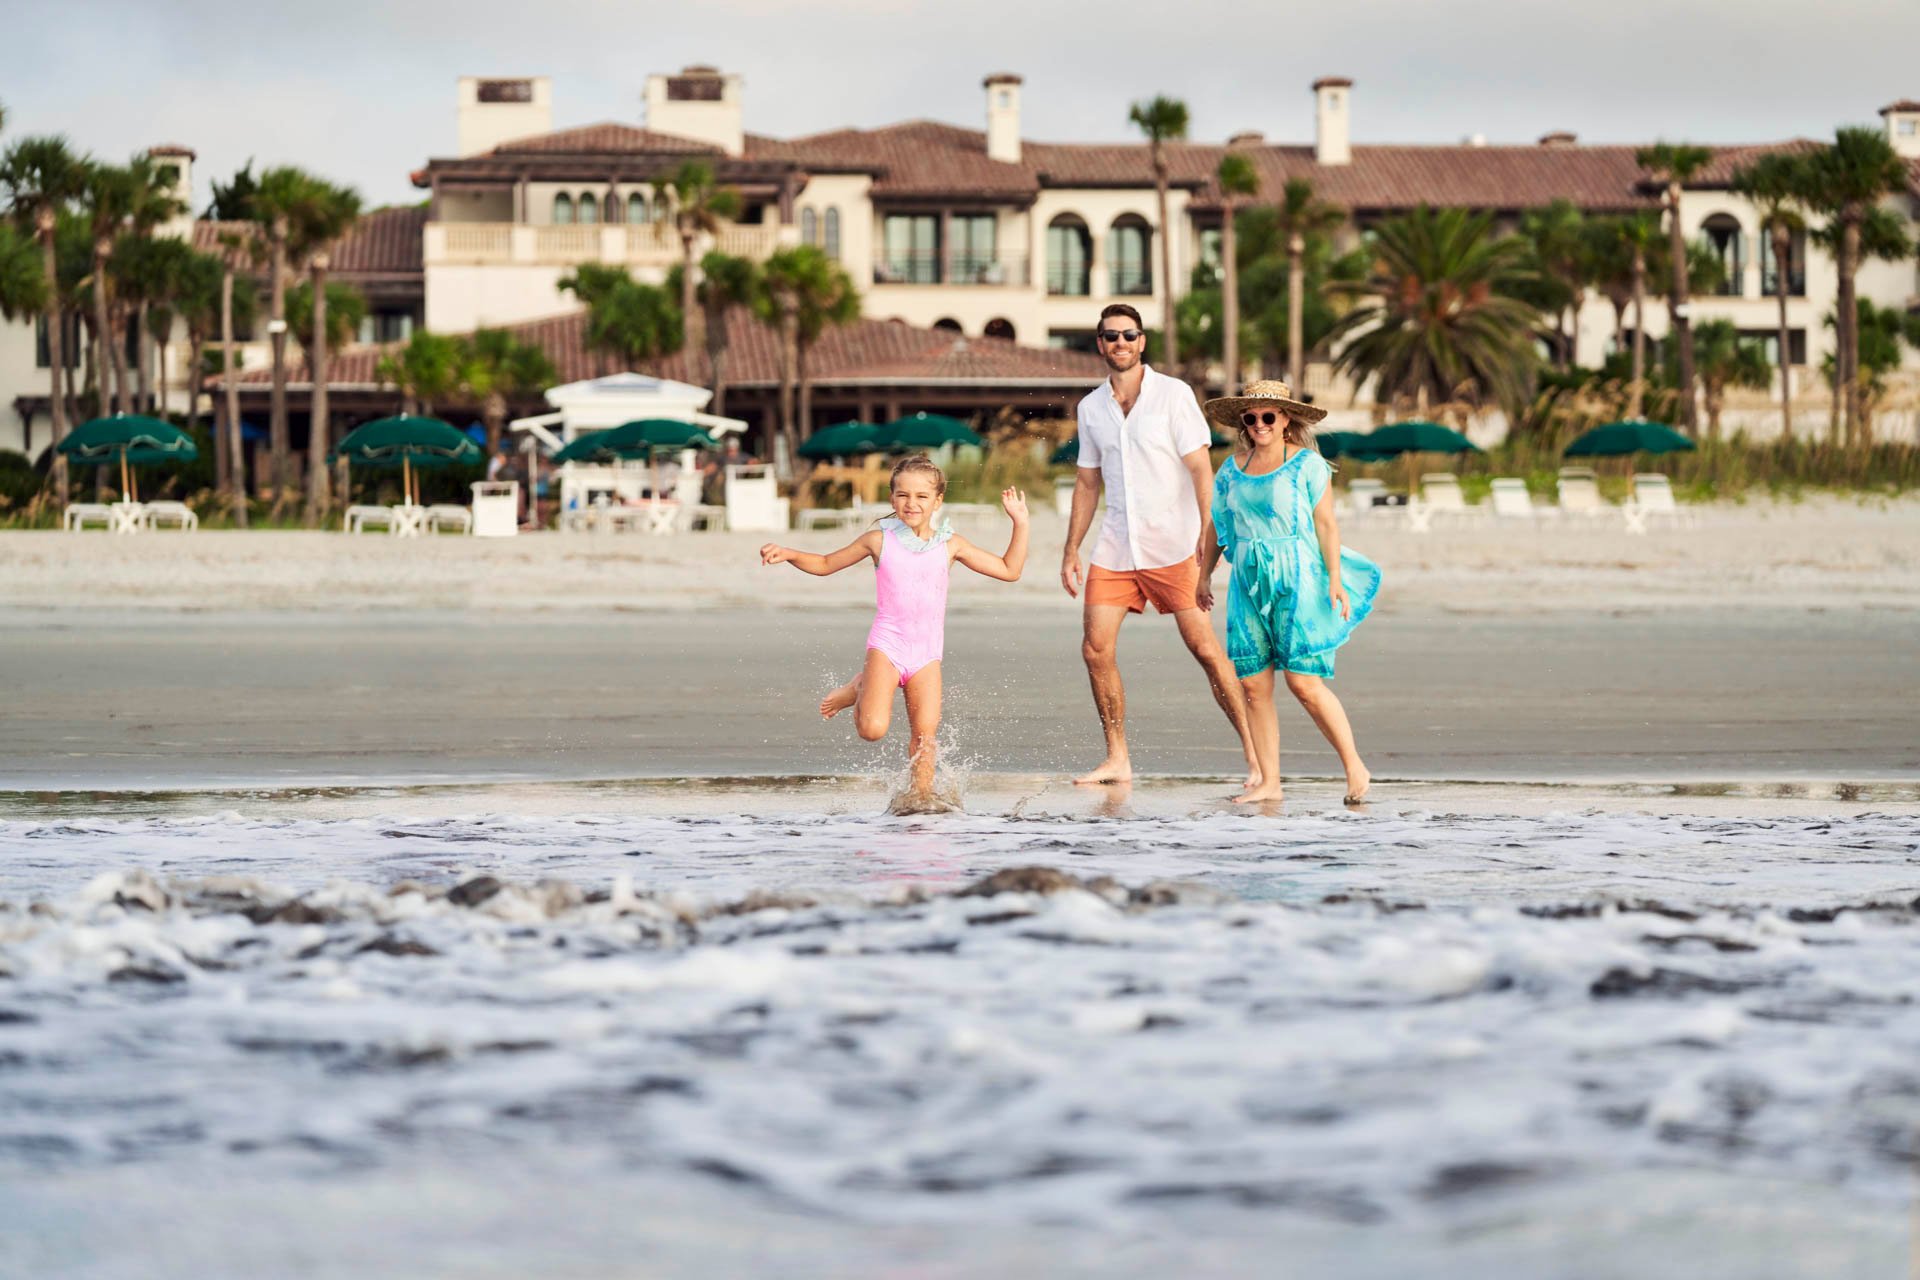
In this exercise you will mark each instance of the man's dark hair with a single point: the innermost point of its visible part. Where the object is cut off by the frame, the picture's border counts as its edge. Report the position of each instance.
(1121, 309)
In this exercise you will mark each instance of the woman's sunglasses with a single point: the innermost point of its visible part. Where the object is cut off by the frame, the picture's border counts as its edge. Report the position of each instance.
(1118, 335)
(1267, 419)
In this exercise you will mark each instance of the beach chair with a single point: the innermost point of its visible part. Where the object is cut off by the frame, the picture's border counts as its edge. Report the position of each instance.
(128, 517)
(1511, 501)
(1442, 498)
(824, 518)
(442, 516)
(1360, 496)
(1580, 495)
(360, 519)
(81, 514)
(178, 514)
(1653, 500)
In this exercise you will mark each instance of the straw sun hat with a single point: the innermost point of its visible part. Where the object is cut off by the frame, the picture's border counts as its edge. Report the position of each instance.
(1267, 393)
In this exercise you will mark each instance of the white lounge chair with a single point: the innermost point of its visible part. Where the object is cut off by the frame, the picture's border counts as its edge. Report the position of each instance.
(1511, 501)
(1360, 496)
(1653, 500)
(171, 513)
(1442, 497)
(81, 514)
(1580, 495)
(442, 516)
(362, 518)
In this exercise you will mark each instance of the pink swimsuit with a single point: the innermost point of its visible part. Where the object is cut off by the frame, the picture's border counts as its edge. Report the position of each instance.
(910, 595)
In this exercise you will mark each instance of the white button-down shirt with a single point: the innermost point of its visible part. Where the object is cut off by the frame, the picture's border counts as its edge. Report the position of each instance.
(1153, 516)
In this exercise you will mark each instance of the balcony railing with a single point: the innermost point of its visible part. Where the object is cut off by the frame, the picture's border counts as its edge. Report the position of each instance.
(650, 244)
(1796, 282)
(1130, 281)
(933, 267)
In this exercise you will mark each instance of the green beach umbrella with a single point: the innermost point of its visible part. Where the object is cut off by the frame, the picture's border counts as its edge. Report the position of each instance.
(927, 431)
(1616, 439)
(134, 439)
(1414, 437)
(408, 443)
(636, 440)
(1341, 444)
(842, 439)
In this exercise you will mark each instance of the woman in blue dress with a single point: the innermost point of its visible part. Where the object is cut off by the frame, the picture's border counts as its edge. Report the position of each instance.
(1294, 595)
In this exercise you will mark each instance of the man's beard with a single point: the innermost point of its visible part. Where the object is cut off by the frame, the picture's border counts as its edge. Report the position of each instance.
(1120, 368)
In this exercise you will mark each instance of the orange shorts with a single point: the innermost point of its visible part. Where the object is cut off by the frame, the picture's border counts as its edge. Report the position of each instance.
(1169, 589)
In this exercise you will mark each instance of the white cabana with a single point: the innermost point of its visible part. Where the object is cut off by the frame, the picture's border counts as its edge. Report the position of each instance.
(600, 403)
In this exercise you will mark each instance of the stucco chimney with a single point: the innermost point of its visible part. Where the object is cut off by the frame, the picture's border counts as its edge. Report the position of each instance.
(1332, 136)
(700, 103)
(1903, 126)
(175, 163)
(1558, 138)
(1003, 117)
(493, 111)
(1247, 138)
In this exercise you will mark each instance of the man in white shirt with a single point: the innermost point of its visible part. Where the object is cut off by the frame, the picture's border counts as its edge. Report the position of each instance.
(1144, 439)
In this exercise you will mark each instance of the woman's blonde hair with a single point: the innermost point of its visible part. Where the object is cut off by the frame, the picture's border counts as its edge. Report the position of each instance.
(918, 462)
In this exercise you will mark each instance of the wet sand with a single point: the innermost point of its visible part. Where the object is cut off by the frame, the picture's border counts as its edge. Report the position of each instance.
(150, 700)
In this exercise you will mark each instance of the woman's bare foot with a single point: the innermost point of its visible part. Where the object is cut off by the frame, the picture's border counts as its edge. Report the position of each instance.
(1357, 784)
(1258, 792)
(1253, 774)
(1108, 770)
(839, 700)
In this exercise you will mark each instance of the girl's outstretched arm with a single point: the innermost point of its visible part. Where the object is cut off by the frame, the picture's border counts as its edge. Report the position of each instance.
(864, 547)
(1007, 567)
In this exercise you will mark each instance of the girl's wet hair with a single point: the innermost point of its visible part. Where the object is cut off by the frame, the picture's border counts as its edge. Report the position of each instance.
(918, 462)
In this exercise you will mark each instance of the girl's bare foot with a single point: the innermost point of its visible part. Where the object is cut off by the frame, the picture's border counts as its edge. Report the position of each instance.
(839, 700)
(1357, 783)
(1111, 769)
(1259, 792)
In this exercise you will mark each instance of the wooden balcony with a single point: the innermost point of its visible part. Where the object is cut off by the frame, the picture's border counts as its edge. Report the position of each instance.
(643, 244)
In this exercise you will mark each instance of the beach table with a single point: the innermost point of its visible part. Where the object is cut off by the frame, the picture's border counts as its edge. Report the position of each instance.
(128, 517)
(409, 520)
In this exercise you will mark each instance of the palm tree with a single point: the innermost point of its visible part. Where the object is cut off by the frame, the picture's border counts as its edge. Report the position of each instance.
(1726, 360)
(1236, 179)
(239, 246)
(322, 315)
(593, 283)
(1773, 183)
(1674, 164)
(1440, 321)
(324, 214)
(149, 272)
(1302, 217)
(699, 208)
(806, 291)
(635, 323)
(1163, 120)
(1883, 331)
(196, 299)
(151, 203)
(1847, 181)
(725, 282)
(1562, 257)
(428, 369)
(496, 366)
(40, 176)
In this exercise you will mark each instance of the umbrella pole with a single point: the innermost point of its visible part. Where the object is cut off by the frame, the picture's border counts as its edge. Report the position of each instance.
(406, 480)
(125, 495)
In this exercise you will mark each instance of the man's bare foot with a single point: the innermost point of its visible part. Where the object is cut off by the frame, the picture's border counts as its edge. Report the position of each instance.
(1258, 792)
(839, 700)
(1357, 784)
(1108, 770)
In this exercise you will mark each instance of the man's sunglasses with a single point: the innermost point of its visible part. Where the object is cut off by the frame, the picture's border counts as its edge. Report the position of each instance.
(1119, 335)
(1267, 419)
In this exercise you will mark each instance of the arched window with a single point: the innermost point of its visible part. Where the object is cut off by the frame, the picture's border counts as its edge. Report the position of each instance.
(1069, 256)
(998, 328)
(638, 210)
(589, 208)
(1796, 266)
(832, 245)
(809, 227)
(948, 324)
(1130, 255)
(1723, 232)
(662, 211)
(562, 210)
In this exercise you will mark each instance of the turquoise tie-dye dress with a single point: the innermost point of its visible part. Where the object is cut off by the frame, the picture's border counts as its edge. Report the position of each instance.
(1278, 613)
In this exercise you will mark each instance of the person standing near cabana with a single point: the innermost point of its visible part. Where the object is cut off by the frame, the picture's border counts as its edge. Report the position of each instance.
(1295, 594)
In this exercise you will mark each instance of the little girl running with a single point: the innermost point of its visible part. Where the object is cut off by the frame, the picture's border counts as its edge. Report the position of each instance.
(912, 551)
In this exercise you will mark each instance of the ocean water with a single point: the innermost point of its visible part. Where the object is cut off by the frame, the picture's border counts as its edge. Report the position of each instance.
(757, 1029)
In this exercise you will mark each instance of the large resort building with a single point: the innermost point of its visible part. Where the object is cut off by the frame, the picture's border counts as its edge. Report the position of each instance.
(982, 257)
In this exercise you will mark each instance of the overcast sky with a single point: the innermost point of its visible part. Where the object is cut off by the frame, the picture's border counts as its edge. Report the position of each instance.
(363, 90)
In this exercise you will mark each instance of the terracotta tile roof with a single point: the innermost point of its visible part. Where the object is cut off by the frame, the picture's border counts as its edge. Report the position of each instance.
(1728, 161)
(606, 137)
(867, 351)
(1597, 178)
(921, 157)
(1905, 104)
(383, 242)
